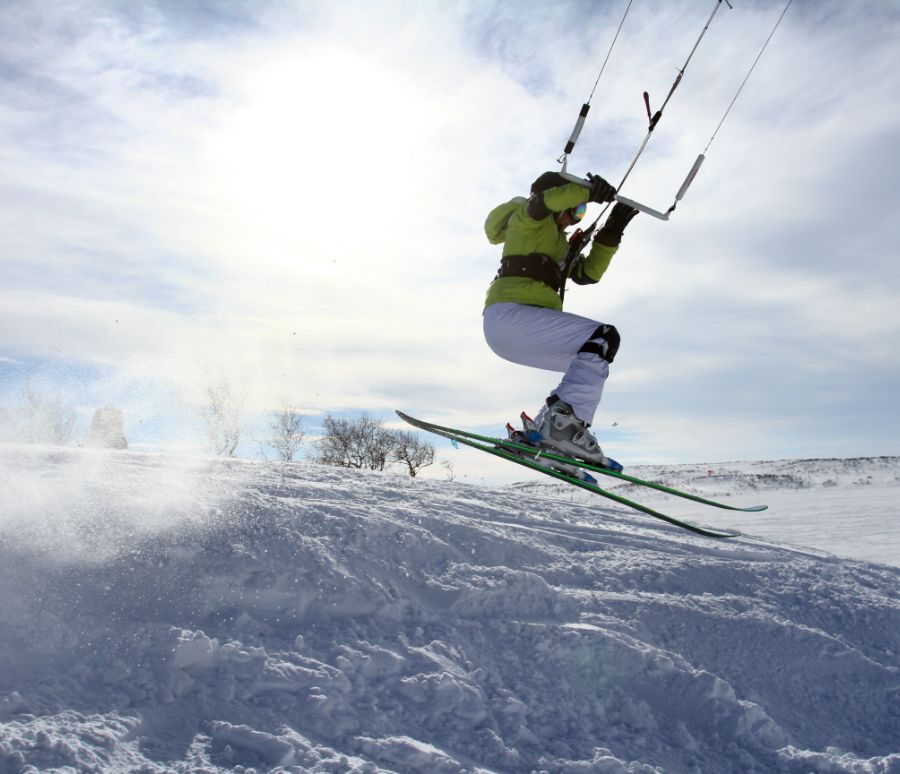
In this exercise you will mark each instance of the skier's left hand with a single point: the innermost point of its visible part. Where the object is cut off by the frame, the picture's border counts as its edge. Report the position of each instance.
(611, 233)
(620, 216)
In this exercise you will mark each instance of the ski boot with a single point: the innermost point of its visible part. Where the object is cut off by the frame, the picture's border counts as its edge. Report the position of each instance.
(564, 433)
(530, 436)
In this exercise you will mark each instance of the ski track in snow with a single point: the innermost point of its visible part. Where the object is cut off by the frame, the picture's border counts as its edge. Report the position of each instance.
(166, 614)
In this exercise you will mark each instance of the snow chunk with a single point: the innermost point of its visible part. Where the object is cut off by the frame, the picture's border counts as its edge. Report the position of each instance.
(505, 593)
(833, 761)
(273, 750)
(194, 649)
(411, 755)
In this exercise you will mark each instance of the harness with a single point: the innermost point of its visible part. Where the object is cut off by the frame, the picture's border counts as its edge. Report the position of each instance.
(541, 267)
(536, 266)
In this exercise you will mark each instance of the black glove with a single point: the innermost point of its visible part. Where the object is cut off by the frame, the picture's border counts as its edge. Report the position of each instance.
(601, 191)
(611, 233)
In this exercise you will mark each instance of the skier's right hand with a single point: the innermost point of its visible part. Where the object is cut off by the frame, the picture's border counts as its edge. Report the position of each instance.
(601, 191)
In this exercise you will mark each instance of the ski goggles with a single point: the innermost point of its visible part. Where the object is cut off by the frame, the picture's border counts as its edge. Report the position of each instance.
(578, 212)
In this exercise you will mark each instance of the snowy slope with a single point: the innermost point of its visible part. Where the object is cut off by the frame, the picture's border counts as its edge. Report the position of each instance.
(187, 615)
(849, 507)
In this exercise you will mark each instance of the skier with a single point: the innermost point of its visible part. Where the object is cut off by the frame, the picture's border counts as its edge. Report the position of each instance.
(523, 317)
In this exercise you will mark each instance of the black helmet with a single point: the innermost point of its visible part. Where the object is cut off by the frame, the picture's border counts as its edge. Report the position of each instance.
(546, 181)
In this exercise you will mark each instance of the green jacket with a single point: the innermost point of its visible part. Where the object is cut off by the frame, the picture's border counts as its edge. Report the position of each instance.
(530, 228)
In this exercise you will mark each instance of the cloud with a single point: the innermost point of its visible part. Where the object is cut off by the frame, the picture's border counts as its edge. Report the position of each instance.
(298, 193)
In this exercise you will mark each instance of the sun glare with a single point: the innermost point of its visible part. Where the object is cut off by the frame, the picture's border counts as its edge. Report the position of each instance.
(315, 129)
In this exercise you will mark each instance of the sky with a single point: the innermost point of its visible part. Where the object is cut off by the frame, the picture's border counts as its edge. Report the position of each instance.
(288, 197)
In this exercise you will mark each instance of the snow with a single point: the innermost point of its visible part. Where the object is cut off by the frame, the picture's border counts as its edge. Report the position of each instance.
(847, 507)
(172, 614)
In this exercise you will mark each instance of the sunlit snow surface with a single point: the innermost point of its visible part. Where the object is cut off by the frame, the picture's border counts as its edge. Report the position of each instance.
(188, 615)
(849, 507)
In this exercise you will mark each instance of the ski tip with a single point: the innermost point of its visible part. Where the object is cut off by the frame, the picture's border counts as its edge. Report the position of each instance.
(407, 418)
(755, 508)
(614, 466)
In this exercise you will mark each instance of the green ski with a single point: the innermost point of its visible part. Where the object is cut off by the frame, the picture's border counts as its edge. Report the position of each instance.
(513, 451)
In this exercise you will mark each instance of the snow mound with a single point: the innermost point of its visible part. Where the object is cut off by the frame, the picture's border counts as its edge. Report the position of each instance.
(167, 614)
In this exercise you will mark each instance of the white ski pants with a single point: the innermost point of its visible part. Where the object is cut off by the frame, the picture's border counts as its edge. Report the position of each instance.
(549, 339)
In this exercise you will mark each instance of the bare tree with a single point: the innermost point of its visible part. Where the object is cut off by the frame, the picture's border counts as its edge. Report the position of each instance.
(107, 429)
(413, 452)
(287, 433)
(41, 418)
(378, 442)
(221, 414)
(8, 433)
(336, 444)
(357, 443)
(448, 466)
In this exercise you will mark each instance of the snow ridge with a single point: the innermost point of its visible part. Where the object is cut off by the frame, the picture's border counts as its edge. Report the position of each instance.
(171, 614)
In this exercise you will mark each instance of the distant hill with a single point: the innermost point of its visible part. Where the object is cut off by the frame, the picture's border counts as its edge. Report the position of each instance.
(728, 478)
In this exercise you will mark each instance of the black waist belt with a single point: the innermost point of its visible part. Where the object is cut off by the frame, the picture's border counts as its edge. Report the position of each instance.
(536, 266)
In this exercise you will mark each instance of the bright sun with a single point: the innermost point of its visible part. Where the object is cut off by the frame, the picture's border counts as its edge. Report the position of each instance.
(317, 127)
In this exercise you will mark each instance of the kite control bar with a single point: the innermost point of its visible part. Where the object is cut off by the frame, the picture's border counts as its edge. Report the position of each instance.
(643, 207)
